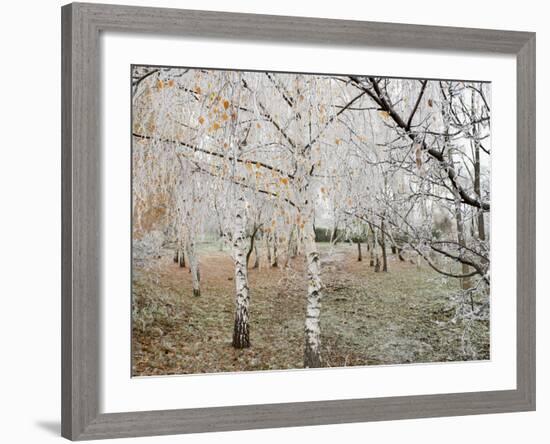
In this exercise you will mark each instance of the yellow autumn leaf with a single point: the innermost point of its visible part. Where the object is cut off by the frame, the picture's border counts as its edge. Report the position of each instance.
(160, 84)
(226, 104)
(284, 180)
(201, 120)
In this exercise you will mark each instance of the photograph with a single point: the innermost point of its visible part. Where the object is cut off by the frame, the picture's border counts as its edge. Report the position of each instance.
(291, 221)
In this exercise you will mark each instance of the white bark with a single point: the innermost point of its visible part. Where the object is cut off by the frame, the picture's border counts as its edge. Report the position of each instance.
(375, 247)
(461, 238)
(193, 266)
(267, 250)
(312, 354)
(275, 258)
(312, 350)
(241, 338)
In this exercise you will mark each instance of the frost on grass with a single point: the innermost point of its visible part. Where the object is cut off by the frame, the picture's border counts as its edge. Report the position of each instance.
(402, 317)
(287, 220)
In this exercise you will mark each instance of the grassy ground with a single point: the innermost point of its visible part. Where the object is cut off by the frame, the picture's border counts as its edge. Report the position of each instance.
(368, 318)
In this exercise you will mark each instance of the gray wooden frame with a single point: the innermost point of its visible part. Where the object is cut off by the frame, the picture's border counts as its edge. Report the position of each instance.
(81, 232)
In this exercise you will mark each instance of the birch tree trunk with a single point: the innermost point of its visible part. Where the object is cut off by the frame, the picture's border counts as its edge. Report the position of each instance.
(194, 266)
(375, 245)
(275, 258)
(182, 257)
(312, 349)
(477, 173)
(383, 246)
(461, 232)
(312, 353)
(267, 249)
(194, 270)
(477, 190)
(371, 249)
(461, 239)
(241, 337)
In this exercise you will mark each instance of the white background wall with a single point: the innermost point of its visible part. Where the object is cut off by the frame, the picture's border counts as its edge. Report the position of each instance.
(30, 221)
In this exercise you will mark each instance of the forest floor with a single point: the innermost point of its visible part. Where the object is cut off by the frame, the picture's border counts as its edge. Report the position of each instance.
(401, 316)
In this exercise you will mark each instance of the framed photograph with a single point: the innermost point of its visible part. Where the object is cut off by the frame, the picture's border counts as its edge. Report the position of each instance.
(278, 221)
